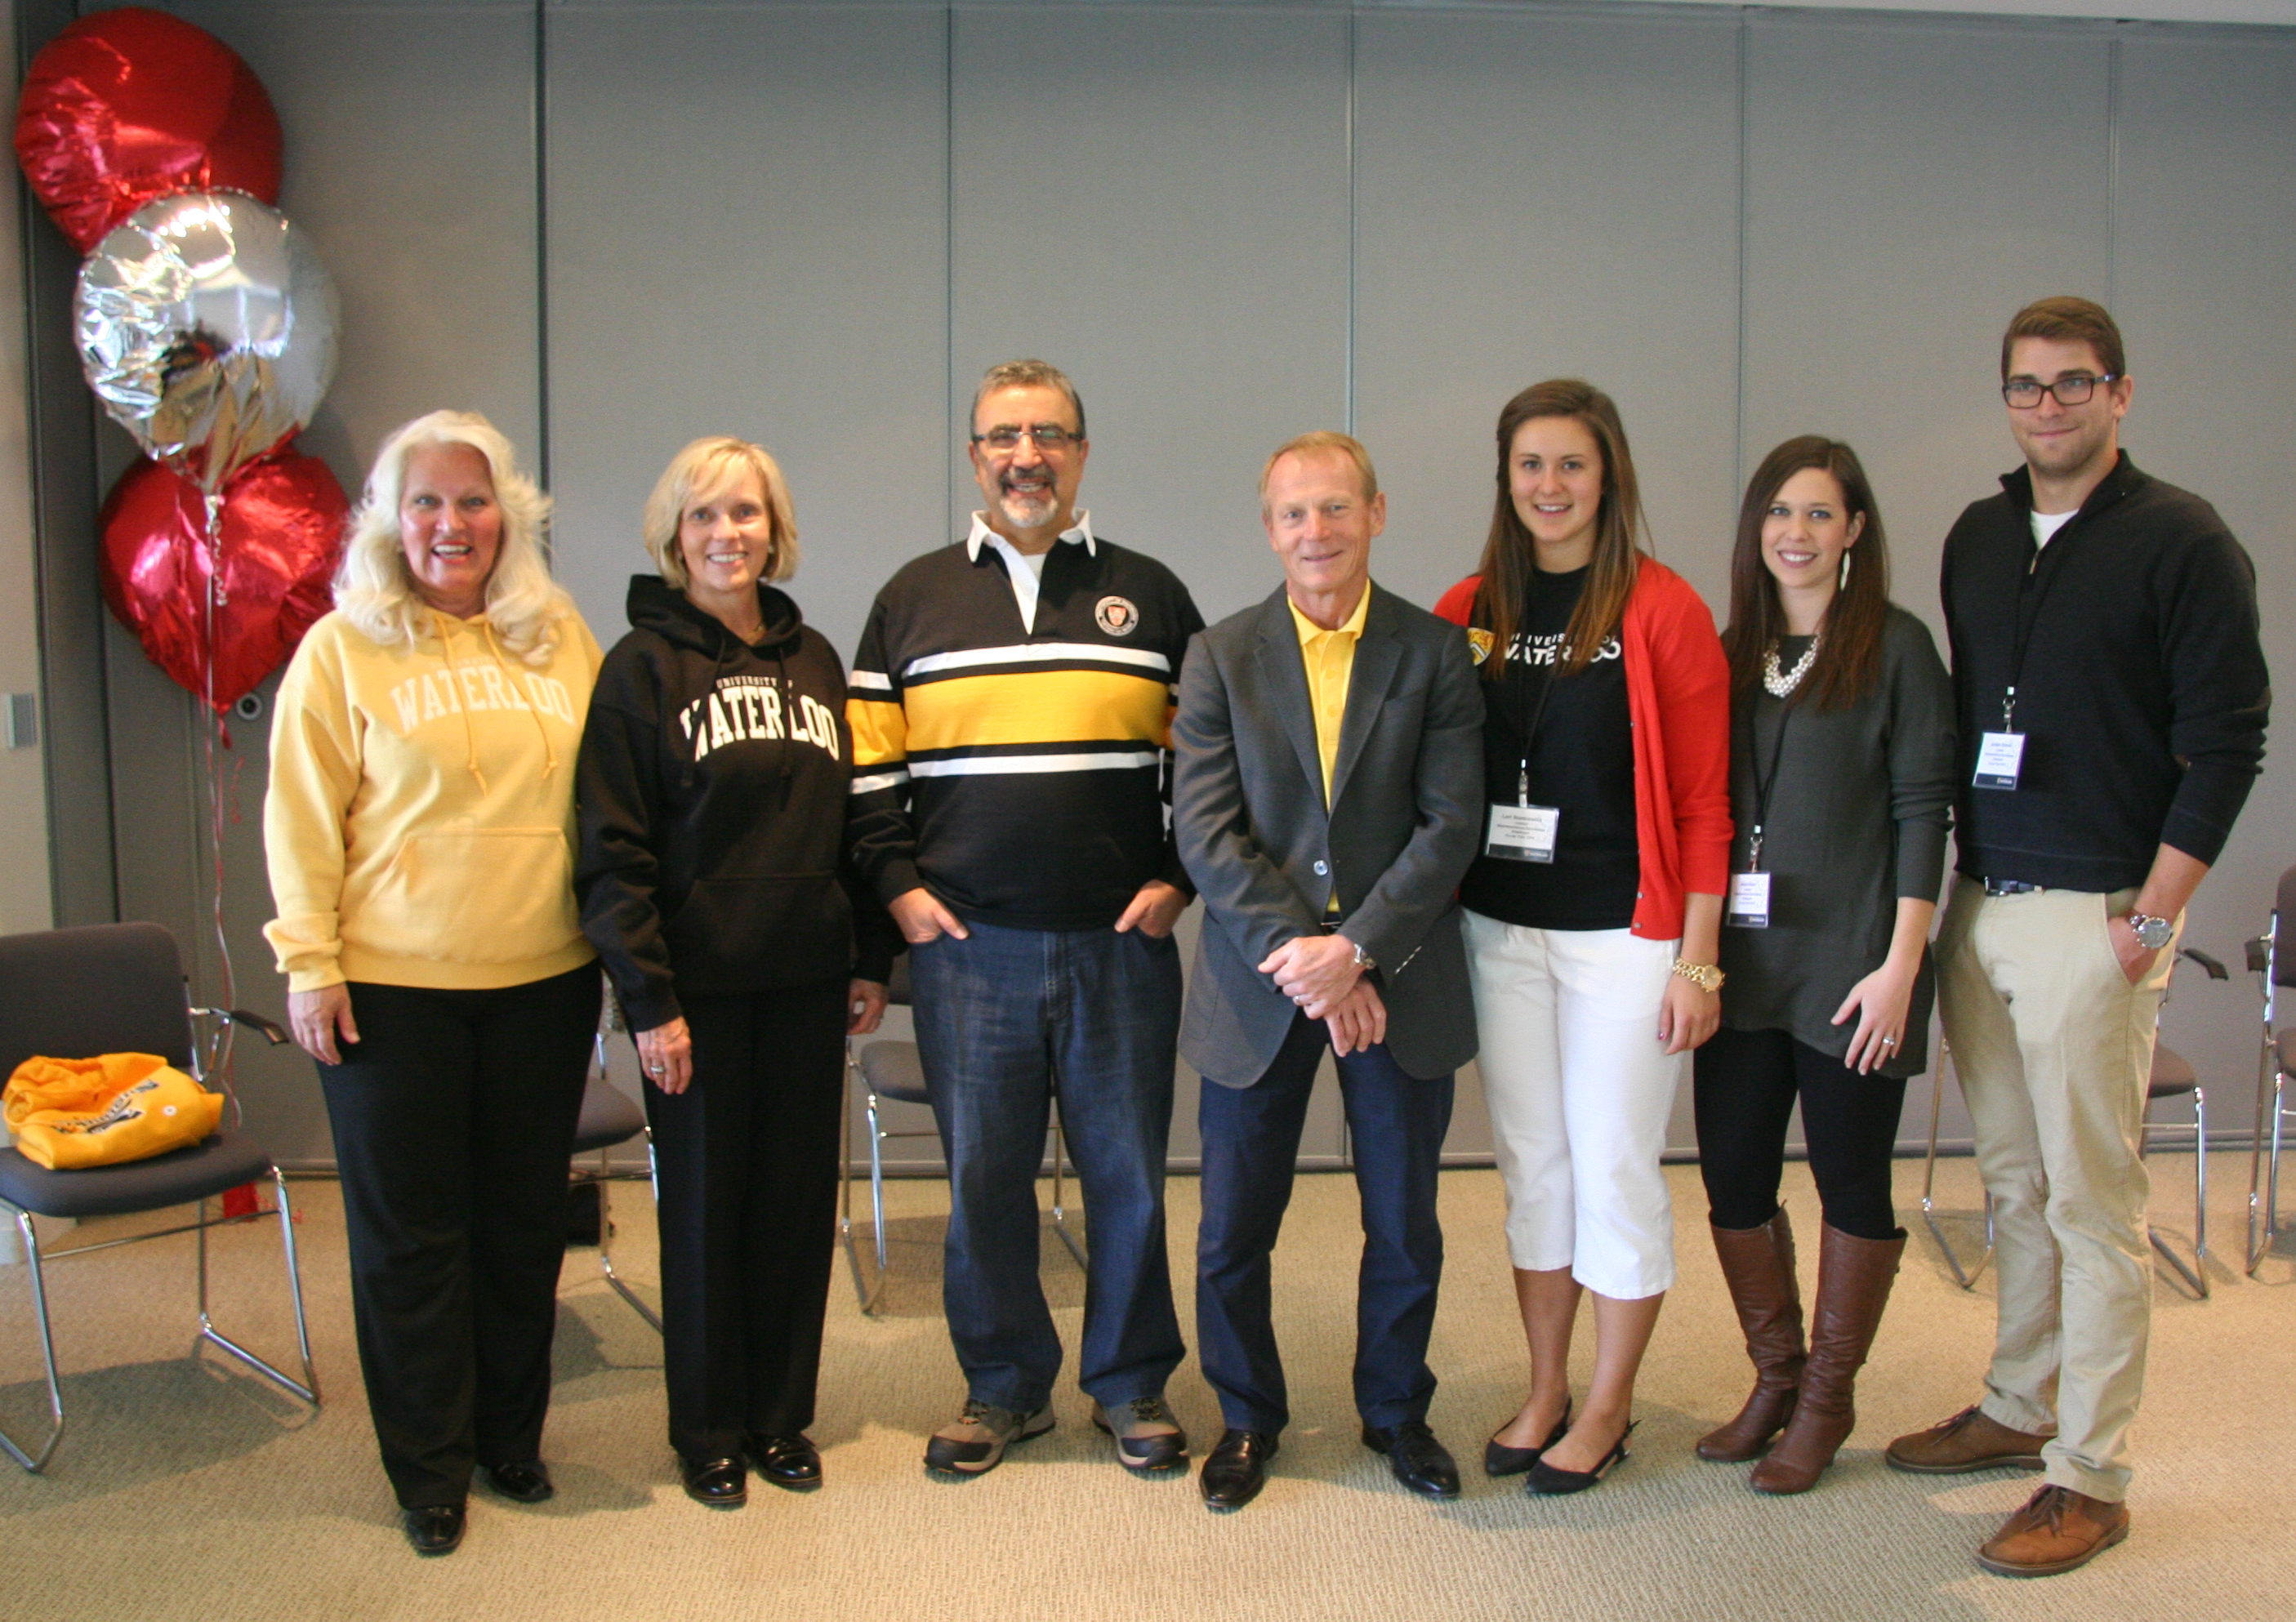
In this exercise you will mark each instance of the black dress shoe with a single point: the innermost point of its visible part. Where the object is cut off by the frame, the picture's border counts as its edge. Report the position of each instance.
(528, 1483)
(1501, 1460)
(435, 1530)
(1235, 1471)
(1418, 1460)
(790, 1462)
(722, 1484)
(1546, 1477)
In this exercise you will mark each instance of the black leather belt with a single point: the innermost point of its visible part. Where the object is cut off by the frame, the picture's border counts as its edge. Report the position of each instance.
(2010, 886)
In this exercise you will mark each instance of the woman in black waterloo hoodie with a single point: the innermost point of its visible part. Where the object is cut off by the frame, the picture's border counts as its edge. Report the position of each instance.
(713, 881)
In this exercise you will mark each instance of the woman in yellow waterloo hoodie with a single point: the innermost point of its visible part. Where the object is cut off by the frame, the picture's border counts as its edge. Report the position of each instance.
(420, 827)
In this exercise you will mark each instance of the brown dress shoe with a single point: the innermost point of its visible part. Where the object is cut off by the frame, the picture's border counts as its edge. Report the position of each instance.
(2057, 1530)
(1759, 1265)
(1970, 1440)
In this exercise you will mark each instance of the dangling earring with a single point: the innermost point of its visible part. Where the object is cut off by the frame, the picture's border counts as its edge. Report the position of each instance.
(1845, 571)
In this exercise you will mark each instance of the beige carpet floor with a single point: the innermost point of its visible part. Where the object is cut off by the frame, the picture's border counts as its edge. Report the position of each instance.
(185, 1489)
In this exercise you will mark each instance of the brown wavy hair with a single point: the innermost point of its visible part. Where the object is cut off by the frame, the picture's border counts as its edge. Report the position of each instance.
(1509, 555)
(1849, 660)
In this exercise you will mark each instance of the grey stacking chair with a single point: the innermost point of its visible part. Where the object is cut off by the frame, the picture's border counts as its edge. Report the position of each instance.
(887, 1068)
(2272, 957)
(1967, 1277)
(609, 1120)
(2173, 1076)
(118, 988)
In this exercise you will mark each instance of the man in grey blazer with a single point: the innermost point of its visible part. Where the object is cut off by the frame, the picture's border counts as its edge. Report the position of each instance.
(1327, 799)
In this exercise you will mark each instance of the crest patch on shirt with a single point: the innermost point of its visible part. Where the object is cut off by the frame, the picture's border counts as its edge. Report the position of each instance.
(1116, 615)
(1479, 645)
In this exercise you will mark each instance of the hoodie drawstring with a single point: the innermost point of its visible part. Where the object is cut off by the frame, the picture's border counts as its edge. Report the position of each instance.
(462, 704)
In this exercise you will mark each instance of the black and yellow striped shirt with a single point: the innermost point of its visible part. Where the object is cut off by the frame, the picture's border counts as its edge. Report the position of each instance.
(1020, 775)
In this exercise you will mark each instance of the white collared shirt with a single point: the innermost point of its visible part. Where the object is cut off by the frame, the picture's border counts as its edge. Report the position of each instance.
(1026, 571)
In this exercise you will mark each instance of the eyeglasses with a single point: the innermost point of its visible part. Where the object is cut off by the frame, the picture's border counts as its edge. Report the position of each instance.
(2023, 393)
(1044, 436)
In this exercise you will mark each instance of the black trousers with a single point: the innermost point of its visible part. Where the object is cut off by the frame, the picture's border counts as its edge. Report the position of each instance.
(1746, 1084)
(746, 1158)
(454, 1124)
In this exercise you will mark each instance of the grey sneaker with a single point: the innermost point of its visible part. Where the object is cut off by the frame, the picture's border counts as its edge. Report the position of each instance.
(1147, 1438)
(975, 1441)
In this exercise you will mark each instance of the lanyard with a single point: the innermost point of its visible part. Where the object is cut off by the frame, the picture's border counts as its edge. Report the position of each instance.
(1763, 781)
(2033, 590)
(1531, 732)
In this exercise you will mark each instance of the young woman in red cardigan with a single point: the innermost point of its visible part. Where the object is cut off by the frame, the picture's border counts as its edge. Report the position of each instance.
(1594, 908)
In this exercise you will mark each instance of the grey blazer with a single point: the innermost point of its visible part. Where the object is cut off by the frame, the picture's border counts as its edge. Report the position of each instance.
(1406, 809)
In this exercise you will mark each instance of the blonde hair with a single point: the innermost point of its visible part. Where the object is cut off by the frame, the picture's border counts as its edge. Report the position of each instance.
(372, 587)
(704, 467)
(1324, 441)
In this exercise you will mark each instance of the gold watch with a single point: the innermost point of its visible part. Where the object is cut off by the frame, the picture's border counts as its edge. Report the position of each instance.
(1706, 977)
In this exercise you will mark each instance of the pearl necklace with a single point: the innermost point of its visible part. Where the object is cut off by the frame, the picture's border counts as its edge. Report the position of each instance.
(1781, 684)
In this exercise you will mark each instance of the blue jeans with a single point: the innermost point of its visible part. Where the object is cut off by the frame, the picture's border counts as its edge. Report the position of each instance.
(1396, 1124)
(1005, 1020)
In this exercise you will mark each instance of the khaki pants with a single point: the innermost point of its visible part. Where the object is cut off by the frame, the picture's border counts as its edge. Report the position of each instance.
(2054, 1048)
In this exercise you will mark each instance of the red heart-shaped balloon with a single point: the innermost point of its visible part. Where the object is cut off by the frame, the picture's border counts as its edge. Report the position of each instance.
(126, 105)
(282, 525)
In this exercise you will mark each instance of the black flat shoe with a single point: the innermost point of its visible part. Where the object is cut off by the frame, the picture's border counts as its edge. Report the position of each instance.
(436, 1529)
(792, 1462)
(526, 1483)
(1417, 1459)
(1546, 1477)
(1235, 1471)
(722, 1484)
(1501, 1460)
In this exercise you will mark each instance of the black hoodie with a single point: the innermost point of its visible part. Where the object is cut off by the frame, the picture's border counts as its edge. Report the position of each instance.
(714, 790)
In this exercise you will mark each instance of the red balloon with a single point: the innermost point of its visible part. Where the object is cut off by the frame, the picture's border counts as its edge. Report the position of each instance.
(127, 105)
(282, 530)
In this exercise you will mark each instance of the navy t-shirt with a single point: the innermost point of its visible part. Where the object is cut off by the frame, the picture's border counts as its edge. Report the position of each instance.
(1571, 738)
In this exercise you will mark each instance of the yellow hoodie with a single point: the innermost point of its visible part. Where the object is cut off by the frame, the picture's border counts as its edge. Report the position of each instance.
(421, 819)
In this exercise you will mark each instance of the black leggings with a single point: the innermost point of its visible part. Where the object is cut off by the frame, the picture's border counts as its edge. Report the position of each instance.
(454, 1121)
(1747, 1082)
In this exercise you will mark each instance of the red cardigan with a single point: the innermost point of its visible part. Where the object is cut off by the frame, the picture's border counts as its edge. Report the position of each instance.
(1678, 704)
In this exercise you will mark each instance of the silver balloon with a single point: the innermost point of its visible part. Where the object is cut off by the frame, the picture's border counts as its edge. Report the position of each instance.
(207, 327)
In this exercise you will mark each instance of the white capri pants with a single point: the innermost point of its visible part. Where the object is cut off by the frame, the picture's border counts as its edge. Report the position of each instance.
(1579, 1091)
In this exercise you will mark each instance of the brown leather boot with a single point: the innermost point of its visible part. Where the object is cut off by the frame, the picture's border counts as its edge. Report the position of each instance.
(1854, 1276)
(1759, 1265)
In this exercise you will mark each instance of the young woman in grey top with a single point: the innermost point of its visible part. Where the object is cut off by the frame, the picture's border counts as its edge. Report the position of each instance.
(1841, 772)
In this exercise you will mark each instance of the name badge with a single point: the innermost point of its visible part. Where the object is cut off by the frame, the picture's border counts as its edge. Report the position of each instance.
(1750, 901)
(1522, 833)
(1999, 757)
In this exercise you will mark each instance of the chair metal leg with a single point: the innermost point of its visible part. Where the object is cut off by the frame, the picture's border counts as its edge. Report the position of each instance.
(308, 1387)
(1965, 1277)
(34, 1462)
(1060, 1209)
(2263, 1211)
(2193, 1281)
(606, 1234)
(865, 1289)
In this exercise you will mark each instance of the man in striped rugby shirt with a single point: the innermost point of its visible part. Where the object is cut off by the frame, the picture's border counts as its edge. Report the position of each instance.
(1011, 705)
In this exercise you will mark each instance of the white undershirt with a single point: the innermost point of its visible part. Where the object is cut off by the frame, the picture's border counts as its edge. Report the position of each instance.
(1026, 570)
(2046, 524)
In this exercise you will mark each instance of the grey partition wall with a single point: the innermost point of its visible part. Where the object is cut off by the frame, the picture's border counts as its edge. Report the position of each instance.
(616, 225)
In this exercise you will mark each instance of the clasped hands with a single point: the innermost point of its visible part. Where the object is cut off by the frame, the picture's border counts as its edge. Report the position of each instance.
(1319, 974)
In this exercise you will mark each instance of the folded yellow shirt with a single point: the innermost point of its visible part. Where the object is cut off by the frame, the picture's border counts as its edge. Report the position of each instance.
(70, 1113)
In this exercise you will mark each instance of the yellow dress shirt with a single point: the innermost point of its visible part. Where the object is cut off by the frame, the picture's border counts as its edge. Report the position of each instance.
(1330, 657)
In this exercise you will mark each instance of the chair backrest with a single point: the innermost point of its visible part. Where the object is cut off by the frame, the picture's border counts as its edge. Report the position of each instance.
(73, 994)
(2283, 937)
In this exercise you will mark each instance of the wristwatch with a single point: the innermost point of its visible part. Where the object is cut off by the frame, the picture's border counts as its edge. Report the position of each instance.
(1706, 977)
(2152, 933)
(1364, 960)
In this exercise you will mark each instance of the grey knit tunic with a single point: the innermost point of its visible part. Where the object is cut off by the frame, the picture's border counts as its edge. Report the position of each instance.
(1857, 817)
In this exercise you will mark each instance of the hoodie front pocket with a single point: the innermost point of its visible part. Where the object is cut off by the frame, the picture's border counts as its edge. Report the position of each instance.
(473, 896)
